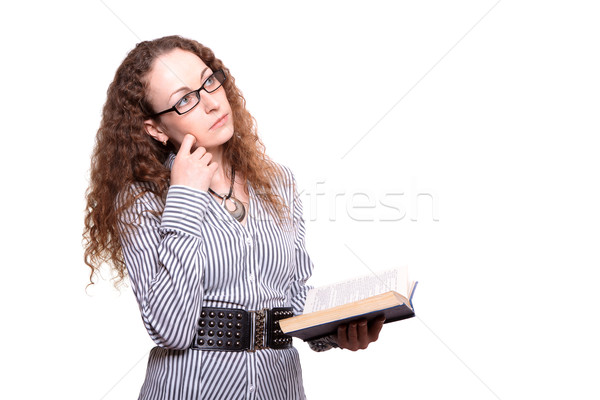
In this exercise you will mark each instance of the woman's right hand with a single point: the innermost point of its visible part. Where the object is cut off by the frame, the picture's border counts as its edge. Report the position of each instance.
(193, 169)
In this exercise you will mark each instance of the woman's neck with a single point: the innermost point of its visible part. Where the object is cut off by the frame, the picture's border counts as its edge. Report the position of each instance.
(221, 182)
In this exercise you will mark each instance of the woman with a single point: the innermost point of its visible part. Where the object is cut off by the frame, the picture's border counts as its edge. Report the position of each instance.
(184, 201)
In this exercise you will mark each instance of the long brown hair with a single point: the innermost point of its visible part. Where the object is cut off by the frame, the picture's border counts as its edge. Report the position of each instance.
(125, 154)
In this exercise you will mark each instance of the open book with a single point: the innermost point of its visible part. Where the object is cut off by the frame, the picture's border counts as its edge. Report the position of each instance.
(388, 293)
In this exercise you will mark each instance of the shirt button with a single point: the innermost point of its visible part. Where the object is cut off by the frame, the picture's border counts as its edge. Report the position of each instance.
(249, 241)
(251, 388)
(251, 277)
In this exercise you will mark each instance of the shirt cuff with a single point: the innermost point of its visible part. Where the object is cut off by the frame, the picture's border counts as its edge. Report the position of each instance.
(323, 344)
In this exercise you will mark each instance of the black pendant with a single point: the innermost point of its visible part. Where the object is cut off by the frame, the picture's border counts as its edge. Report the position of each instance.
(240, 211)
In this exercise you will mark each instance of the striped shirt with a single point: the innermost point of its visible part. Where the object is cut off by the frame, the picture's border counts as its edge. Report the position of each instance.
(191, 253)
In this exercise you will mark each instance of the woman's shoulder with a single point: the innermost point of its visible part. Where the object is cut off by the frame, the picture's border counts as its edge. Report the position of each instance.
(283, 176)
(282, 172)
(140, 194)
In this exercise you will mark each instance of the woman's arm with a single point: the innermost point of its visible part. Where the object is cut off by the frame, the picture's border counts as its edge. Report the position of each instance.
(303, 267)
(353, 336)
(165, 262)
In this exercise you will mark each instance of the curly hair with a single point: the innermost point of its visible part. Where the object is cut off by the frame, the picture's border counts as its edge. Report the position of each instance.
(124, 154)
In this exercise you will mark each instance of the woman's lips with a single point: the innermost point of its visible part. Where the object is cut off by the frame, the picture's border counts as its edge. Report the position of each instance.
(220, 122)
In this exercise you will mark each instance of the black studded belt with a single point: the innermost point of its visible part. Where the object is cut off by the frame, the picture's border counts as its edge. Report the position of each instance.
(232, 329)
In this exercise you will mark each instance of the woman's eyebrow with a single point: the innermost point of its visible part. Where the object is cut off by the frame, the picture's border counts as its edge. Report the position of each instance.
(203, 71)
(185, 87)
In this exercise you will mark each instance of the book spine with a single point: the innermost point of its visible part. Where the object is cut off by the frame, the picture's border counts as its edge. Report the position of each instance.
(412, 294)
(314, 332)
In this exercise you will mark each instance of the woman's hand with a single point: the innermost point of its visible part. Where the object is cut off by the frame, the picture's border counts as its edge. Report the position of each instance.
(358, 334)
(193, 169)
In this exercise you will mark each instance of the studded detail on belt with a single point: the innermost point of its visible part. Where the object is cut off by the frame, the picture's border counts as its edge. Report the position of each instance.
(231, 329)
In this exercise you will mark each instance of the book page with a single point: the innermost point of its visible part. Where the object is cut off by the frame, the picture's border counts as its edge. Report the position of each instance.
(356, 289)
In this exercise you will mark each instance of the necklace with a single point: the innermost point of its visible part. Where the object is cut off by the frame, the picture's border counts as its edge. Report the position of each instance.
(239, 212)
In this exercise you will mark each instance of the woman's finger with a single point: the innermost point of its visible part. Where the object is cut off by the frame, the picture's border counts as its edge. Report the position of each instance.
(363, 334)
(352, 336)
(199, 152)
(186, 144)
(342, 338)
(206, 157)
(375, 328)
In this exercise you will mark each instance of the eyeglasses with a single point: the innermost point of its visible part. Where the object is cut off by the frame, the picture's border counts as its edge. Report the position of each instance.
(191, 100)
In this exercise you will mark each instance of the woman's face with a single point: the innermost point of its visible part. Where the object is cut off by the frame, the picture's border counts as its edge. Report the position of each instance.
(174, 75)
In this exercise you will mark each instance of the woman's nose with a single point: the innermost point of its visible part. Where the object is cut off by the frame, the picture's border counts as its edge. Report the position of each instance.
(209, 101)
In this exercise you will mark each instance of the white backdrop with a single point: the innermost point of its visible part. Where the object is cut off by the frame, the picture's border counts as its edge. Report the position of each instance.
(457, 138)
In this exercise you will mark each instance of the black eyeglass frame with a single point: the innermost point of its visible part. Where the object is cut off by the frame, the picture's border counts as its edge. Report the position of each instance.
(196, 92)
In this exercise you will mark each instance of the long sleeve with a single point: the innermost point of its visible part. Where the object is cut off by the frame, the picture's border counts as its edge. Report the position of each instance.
(303, 265)
(165, 262)
(303, 270)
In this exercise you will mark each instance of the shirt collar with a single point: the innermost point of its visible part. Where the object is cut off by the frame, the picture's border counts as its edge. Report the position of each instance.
(169, 161)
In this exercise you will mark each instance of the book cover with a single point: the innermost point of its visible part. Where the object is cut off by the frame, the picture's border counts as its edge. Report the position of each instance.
(388, 293)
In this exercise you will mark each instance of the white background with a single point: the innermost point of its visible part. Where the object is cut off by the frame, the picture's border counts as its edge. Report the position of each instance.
(481, 133)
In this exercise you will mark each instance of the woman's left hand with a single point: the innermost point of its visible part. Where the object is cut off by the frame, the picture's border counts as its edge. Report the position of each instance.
(358, 334)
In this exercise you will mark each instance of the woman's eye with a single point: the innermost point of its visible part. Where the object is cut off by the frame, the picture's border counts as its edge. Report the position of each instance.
(210, 81)
(184, 101)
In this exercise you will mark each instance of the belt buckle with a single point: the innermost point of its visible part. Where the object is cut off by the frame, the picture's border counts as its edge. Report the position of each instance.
(258, 327)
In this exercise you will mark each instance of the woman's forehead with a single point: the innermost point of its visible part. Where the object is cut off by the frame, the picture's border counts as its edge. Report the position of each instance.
(173, 70)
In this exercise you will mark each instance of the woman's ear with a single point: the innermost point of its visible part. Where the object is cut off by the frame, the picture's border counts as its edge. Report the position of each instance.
(153, 129)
